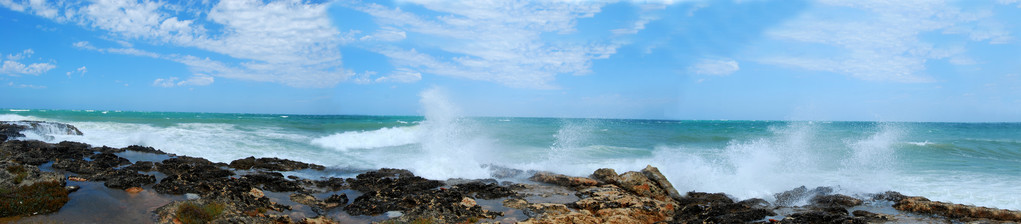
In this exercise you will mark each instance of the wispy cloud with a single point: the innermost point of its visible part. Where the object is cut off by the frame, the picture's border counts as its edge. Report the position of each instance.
(887, 44)
(290, 42)
(718, 66)
(11, 64)
(500, 41)
(80, 71)
(16, 85)
(196, 80)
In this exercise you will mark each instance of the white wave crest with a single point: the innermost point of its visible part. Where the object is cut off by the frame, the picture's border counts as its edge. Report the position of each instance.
(385, 137)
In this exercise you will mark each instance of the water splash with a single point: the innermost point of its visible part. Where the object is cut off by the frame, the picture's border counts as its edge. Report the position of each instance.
(451, 146)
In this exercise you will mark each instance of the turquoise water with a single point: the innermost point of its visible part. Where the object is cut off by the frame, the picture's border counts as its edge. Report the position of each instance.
(971, 163)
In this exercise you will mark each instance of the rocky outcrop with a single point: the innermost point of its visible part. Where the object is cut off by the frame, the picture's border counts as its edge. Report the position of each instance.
(272, 164)
(388, 190)
(14, 129)
(191, 175)
(957, 211)
(563, 180)
(320, 206)
(25, 190)
(697, 207)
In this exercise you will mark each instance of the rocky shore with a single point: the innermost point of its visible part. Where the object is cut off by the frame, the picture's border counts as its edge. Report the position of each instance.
(38, 178)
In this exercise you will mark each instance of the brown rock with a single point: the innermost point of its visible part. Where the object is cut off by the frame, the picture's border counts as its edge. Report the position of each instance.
(468, 202)
(640, 184)
(318, 220)
(875, 217)
(255, 192)
(78, 179)
(134, 190)
(563, 180)
(515, 203)
(835, 200)
(950, 210)
(653, 174)
(606, 175)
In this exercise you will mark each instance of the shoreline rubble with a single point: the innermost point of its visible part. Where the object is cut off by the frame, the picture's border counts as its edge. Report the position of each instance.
(247, 191)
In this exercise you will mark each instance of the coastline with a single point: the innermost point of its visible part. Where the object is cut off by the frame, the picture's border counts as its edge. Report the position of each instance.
(255, 190)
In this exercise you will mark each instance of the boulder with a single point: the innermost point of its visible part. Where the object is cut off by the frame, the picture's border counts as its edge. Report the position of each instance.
(835, 200)
(799, 195)
(606, 175)
(653, 174)
(640, 184)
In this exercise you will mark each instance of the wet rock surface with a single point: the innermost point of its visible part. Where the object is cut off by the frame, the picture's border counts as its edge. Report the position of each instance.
(272, 164)
(387, 190)
(958, 211)
(25, 190)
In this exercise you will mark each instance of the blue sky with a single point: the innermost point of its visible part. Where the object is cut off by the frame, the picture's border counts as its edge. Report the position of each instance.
(755, 60)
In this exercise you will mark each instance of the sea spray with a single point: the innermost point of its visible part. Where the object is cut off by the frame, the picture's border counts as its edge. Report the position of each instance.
(871, 163)
(567, 143)
(450, 145)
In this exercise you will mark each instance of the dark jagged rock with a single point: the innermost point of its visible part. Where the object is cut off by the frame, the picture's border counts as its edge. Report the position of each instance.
(78, 166)
(191, 175)
(109, 160)
(399, 190)
(142, 166)
(15, 128)
(392, 180)
(483, 190)
(272, 164)
(699, 207)
(103, 162)
(800, 194)
(37, 152)
(332, 183)
(272, 181)
(9, 131)
(340, 199)
(145, 149)
(835, 200)
(124, 179)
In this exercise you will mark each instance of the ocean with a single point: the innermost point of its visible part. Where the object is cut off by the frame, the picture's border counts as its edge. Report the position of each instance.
(968, 163)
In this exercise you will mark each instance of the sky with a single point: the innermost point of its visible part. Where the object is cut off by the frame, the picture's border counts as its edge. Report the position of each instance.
(734, 60)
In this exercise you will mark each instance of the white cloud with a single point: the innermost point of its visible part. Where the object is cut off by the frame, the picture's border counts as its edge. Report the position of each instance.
(499, 41)
(388, 34)
(80, 71)
(290, 42)
(885, 43)
(401, 75)
(195, 80)
(12, 66)
(720, 67)
(15, 85)
(166, 83)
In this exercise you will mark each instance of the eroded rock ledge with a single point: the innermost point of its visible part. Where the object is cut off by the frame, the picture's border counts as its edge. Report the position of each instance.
(238, 193)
